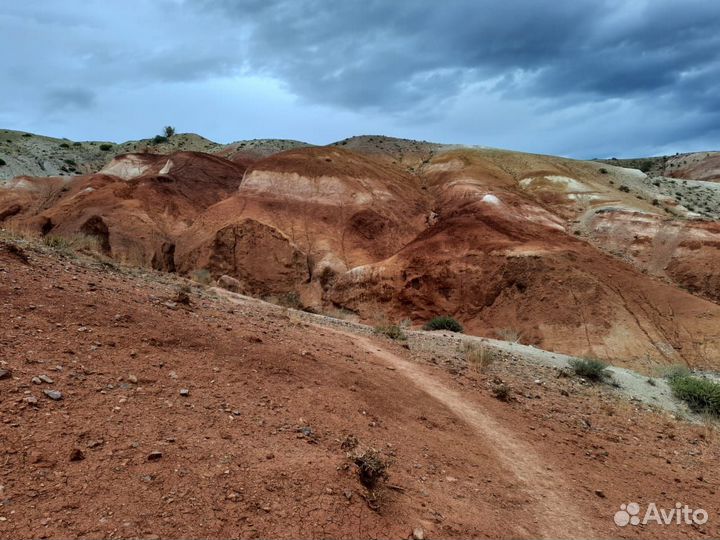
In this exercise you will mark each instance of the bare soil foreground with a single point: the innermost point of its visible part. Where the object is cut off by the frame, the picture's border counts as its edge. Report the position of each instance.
(186, 414)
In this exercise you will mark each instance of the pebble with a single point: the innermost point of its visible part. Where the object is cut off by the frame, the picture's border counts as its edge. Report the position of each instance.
(132, 379)
(77, 455)
(31, 400)
(600, 493)
(418, 533)
(184, 392)
(154, 456)
(36, 380)
(5, 374)
(46, 379)
(53, 394)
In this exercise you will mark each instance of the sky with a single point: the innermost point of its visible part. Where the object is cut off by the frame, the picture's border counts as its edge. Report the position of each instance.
(579, 78)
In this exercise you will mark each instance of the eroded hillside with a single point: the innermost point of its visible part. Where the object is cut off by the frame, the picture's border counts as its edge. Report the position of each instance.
(572, 256)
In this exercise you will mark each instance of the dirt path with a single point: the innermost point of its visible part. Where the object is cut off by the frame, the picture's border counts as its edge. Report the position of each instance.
(557, 516)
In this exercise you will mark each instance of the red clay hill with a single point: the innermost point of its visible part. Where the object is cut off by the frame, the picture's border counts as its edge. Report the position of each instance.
(536, 247)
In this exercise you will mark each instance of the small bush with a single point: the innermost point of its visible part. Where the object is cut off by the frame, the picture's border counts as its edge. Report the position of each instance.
(393, 331)
(676, 371)
(624, 189)
(510, 334)
(591, 369)
(64, 145)
(443, 323)
(603, 170)
(202, 276)
(479, 357)
(27, 135)
(701, 395)
(290, 300)
(56, 242)
(158, 139)
(169, 131)
(371, 468)
(502, 392)
(77, 144)
(105, 147)
(2, 162)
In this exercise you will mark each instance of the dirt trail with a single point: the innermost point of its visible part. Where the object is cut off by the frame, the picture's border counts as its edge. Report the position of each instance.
(557, 516)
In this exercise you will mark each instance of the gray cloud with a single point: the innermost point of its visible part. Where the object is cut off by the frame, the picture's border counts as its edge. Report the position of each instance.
(579, 77)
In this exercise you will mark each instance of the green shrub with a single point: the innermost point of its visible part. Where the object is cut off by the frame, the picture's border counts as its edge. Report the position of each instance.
(701, 395)
(27, 135)
(157, 139)
(591, 369)
(105, 147)
(673, 372)
(393, 331)
(64, 145)
(444, 322)
(2, 162)
(77, 144)
(168, 131)
(603, 170)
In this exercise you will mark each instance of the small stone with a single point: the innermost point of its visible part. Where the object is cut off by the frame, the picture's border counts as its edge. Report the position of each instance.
(5, 374)
(270, 456)
(172, 375)
(538, 381)
(237, 412)
(348, 494)
(46, 379)
(36, 380)
(184, 392)
(77, 455)
(451, 479)
(418, 533)
(53, 394)
(94, 444)
(600, 493)
(132, 379)
(154, 456)
(31, 400)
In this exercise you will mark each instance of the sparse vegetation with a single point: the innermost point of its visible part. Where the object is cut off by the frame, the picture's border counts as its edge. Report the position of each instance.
(159, 139)
(169, 131)
(591, 369)
(2, 162)
(502, 392)
(603, 170)
(479, 357)
(64, 145)
(624, 189)
(444, 322)
(27, 134)
(510, 334)
(73, 243)
(105, 147)
(393, 331)
(701, 395)
(202, 276)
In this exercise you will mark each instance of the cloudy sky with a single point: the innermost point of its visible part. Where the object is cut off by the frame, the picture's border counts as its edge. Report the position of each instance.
(583, 78)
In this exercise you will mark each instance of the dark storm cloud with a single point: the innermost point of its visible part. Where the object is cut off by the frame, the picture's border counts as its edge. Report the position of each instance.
(578, 77)
(390, 55)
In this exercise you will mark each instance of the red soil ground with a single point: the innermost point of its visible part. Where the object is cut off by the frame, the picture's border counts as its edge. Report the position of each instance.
(256, 448)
